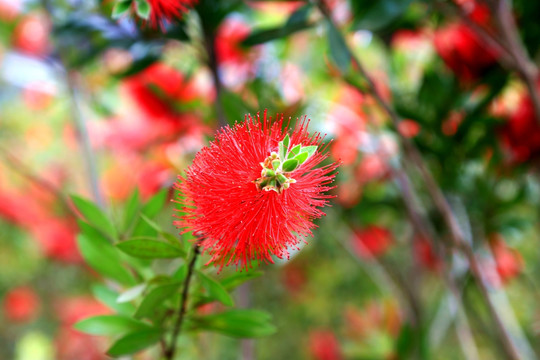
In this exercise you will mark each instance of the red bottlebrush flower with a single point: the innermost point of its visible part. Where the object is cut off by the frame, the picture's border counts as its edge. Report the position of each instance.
(372, 241)
(21, 305)
(245, 200)
(57, 238)
(521, 134)
(408, 128)
(508, 261)
(31, 36)
(163, 11)
(461, 49)
(323, 345)
(425, 255)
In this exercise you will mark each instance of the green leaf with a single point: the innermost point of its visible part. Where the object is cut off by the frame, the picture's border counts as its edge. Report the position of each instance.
(294, 151)
(134, 342)
(238, 278)
(108, 297)
(281, 151)
(290, 165)
(310, 150)
(181, 273)
(148, 248)
(375, 15)
(339, 52)
(215, 290)
(131, 293)
(94, 215)
(150, 210)
(120, 8)
(152, 223)
(302, 157)
(131, 209)
(143, 9)
(286, 141)
(109, 325)
(155, 299)
(237, 323)
(104, 258)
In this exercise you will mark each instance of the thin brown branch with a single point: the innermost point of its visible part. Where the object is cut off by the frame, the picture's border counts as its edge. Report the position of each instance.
(182, 308)
(413, 155)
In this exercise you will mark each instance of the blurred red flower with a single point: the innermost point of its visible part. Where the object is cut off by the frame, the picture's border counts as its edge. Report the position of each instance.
(57, 238)
(408, 128)
(508, 261)
(21, 305)
(521, 133)
(163, 11)
(323, 345)
(245, 200)
(425, 255)
(461, 49)
(31, 35)
(372, 241)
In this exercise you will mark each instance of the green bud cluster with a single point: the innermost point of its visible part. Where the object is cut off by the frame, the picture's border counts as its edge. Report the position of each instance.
(277, 168)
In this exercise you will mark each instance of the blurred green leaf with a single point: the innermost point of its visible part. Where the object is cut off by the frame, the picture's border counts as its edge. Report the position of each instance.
(109, 325)
(143, 9)
(155, 299)
(94, 215)
(238, 278)
(132, 208)
(150, 210)
(237, 323)
(215, 290)
(102, 256)
(109, 297)
(121, 8)
(374, 15)
(148, 248)
(131, 293)
(339, 52)
(134, 342)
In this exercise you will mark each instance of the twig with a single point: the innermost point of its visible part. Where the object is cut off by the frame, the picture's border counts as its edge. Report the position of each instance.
(436, 194)
(169, 352)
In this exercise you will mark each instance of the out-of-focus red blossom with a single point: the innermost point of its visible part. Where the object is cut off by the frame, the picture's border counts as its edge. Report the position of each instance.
(521, 133)
(381, 316)
(425, 255)
(238, 221)
(372, 241)
(508, 261)
(323, 345)
(36, 98)
(408, 128)
(461, 49)
(31, 35)
(72, 344)
(408, 40)
(10, 9)
(57, 238)
(294, 278)
(349, 193)
(157, 90)
(450, 126)
(279, 7)
(21, 305)
(163, 11)
(372, 167)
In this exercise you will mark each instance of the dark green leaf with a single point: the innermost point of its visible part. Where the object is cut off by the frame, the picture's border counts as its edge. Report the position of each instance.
(121, 8)
(237, 323)
(104, 258)
(339, 52)
(143, 9)
(150, 210)
(290, 165)
(155, 299)
(134, 342)
(94, 215)
(148, 248)
(215, 290)
(109, 325)
(109, 297)
(374, 15)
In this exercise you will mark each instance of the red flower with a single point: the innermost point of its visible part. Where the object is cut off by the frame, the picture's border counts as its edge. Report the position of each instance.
(21, 305)
(372, 241)
(323, 345)
(163, 11)
(245, 200)
(461, 49)
(508, 261)
(425, 255)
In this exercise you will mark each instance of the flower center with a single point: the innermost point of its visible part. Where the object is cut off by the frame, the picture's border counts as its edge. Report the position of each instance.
(277, 168)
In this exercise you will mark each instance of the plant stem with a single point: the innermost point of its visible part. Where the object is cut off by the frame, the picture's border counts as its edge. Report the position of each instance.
(414, 156)
(210, 46)
(170, 351)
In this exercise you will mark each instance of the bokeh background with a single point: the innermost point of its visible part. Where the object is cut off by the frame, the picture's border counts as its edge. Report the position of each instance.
(99, 107)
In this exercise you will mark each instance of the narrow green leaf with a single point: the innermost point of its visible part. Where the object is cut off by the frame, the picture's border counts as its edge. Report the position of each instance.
(290, 165)
(286, 141)
(148, 248)
(215, 290)
(294, 151)
(339, 52)
(120, 8)
(108, 297)
(302, 157)
(134, 342)
(152, 223)
(237, 323)
(238, 278)
(94, 215)
(131, 293)
(143, 9)
(150, 210)
(109, 325)
(181, 273)
(155, 299)
(281, 150)
(104, 258)
(132, 207)
(310, 150)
